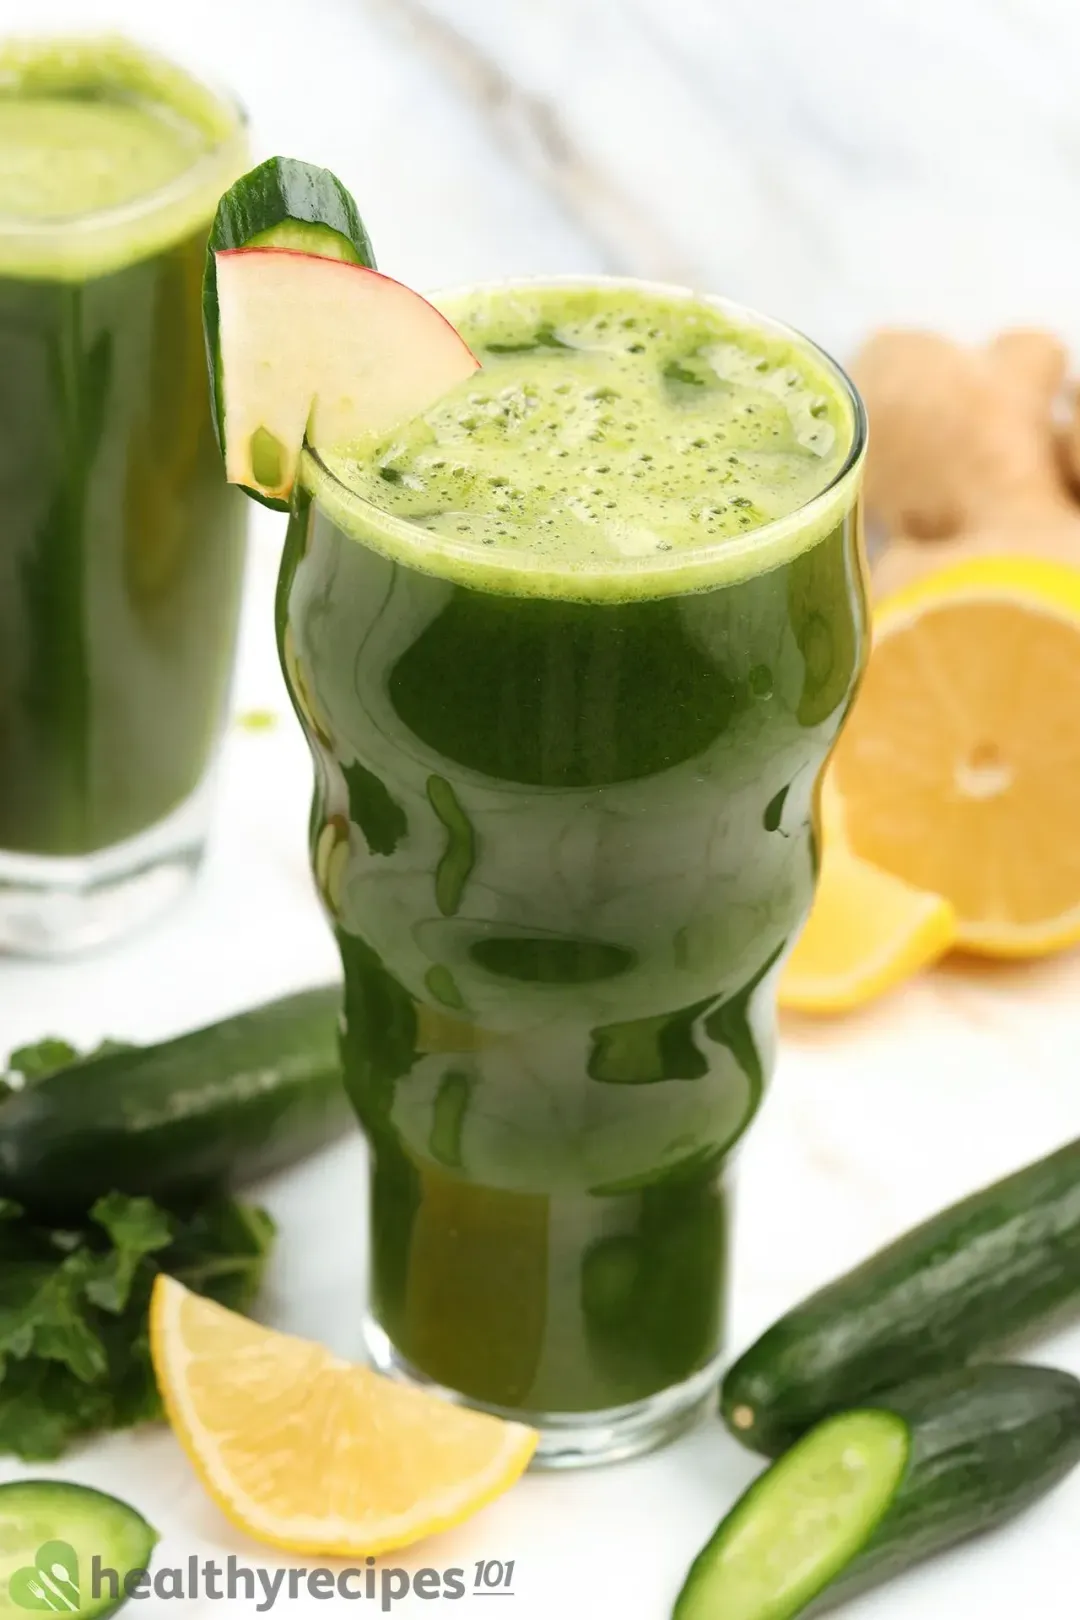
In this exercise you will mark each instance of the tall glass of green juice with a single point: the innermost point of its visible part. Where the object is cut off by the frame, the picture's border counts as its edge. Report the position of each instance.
(121, 548)
(571, 650)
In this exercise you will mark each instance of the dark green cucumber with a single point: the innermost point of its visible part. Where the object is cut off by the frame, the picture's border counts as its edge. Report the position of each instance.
(979, 1277)
(868, 1493)
(986, 1443)
(284, 203)
(53, 1535)
(180, 1120)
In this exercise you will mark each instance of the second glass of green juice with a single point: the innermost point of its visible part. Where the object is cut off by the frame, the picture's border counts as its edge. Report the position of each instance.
(121, 547)
(571, 650)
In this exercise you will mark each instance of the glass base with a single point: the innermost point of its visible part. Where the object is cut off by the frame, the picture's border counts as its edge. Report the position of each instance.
(52, 906)
(575, 1439)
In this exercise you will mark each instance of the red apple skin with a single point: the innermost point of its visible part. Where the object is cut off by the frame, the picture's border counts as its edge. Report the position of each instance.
(353, 269)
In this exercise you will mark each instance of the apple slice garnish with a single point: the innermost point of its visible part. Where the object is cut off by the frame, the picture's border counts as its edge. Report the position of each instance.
(319, 349)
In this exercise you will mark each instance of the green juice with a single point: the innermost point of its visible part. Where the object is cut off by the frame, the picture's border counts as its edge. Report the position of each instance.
(121, 548)
(571, 650)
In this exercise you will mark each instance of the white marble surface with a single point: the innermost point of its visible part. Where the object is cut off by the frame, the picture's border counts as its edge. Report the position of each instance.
(840, 164)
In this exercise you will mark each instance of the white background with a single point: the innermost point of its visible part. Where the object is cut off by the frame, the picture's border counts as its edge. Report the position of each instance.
(843, 165)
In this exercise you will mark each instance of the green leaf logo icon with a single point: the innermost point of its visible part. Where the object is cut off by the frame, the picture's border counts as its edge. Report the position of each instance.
(50, 1585)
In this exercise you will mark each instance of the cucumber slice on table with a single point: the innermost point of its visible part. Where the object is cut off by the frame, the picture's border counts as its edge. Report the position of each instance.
(868, 1493)
(969, 1282)
(182, 1119)
(50, 1535)
(283, 203)
(304, 337)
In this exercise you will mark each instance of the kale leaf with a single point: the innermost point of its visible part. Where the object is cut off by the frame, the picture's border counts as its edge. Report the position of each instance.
(29, 1064)
(74, 1341)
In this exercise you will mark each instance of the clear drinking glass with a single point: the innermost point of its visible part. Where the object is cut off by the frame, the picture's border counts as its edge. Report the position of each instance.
(121, 547)
(565, 838)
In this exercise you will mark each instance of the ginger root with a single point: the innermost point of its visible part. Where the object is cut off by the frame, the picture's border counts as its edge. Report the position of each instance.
(904, 561)
(964, 451)
(1070, 442)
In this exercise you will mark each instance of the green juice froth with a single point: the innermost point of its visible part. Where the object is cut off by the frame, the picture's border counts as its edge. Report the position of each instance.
(62, 156)
(108, 155)
(609, 426)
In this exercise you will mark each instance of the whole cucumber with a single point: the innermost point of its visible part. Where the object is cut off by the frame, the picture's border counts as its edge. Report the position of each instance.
(970, 1282)
(986, 1443)
(182, 1119)
(869, 1492)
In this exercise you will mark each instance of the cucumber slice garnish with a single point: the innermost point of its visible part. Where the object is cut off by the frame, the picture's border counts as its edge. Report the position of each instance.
(801, 1523)
(305, 339)
(284, 203)
(50, 1535)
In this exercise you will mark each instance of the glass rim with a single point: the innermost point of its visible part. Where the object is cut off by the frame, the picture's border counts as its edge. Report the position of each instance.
(86, 224)
(675, 573)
